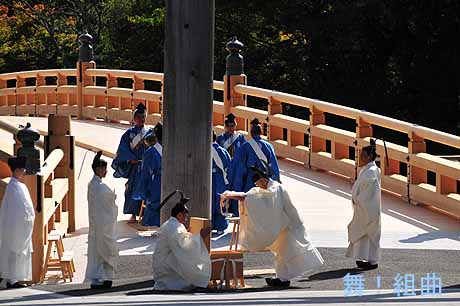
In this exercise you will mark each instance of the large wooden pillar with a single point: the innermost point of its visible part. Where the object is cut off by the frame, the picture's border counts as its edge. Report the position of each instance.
(188, 98)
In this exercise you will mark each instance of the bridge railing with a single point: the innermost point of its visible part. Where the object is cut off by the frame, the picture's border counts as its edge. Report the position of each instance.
(111, 95)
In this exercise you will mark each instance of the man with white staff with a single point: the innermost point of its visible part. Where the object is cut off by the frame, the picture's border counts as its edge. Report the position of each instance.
(364, 229)
(102, 243)
(180, 260)
(269, 221)
(17, 216)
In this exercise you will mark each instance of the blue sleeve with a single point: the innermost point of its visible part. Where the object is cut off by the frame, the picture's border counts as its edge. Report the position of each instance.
(238, 170)
(124, 153)
(274, 162)
(142, 190)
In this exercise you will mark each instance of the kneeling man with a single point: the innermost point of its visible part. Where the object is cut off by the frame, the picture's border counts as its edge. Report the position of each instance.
(181, 260)
(269, 221)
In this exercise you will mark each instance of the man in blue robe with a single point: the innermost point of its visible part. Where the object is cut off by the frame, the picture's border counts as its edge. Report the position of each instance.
(220, 163)
(149, 188)
(127, 162)
(230, 140)
(254, 152)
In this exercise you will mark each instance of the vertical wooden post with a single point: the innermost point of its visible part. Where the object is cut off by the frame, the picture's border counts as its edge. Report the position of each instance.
(59, 136)
(35, 185)
(234, 75)
(274, 132)
(316, 144)
(363, 130)
(188, 102)
(85, 62)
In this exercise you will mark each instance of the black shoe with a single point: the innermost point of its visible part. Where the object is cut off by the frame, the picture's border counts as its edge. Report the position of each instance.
(107, 284)
(276, 282)
(369, 266)
(361, 264)
(15, 285)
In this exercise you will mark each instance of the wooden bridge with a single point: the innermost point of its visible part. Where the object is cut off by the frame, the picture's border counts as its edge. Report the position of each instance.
(101, 96)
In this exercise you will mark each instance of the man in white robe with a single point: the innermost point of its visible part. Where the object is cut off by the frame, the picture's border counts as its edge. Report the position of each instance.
(181, 260)
(365, 228)
(269, 221)
(17, 216)
(102, 243)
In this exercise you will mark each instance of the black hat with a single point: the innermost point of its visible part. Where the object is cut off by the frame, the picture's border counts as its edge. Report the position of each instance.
(230, 119)
(18, 162)
(140, 109)
(98, 162)
(255, 121)
(158, 131)
(258, 173)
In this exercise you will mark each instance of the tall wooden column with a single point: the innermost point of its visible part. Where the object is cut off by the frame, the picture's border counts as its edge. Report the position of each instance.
(188, 101)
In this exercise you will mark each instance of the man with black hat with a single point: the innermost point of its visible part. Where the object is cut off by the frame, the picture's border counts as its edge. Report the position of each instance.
(127, 163)
(255, 151)
(17, 216)
(230, 140)
(271, 222)
(102, 217)
(149, 188)
(180, 260)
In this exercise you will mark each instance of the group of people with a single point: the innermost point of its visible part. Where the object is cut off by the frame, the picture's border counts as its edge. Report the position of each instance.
(244, 170)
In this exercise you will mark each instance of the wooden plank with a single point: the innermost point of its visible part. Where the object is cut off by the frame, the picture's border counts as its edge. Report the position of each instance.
(436, 164)
(338, 135)
(196, 225)
(147, 95)
(324, 161)
(426, 194)
(290, 123)
(249, 113)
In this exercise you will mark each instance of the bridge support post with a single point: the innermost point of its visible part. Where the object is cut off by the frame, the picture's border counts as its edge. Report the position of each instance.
(188, 103)
(59, 136)
(234, 75)
(316, 144)
(363, 130)
(85, 61)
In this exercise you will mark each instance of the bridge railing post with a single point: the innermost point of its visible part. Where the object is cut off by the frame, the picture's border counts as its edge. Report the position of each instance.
(85, 61)
(316, 144)
(416, 175)
(234, 75)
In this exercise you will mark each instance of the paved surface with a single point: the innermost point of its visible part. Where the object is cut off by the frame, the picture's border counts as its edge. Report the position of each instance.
(415, 240)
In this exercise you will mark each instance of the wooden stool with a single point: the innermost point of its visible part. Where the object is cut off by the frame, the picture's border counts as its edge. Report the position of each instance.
(64, 261)
(141, 212)
(227, 268)
(235, 232)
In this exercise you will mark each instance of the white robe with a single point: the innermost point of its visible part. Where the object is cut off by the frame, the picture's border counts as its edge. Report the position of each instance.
(180, 260)
(365, 228)
(269, 221)
(17, 215)
(102, 243)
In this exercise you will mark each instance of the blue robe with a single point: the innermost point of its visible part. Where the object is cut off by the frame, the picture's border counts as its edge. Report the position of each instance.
(245, 158)
(222, 138)
(232, 150)
(149, 188)
(218, 186)
(124, 169)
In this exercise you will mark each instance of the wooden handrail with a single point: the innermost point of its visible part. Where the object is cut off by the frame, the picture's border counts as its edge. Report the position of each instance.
(34, 73)
(51, 162)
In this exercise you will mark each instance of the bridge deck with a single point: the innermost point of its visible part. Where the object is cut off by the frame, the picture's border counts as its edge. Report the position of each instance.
(322, 199)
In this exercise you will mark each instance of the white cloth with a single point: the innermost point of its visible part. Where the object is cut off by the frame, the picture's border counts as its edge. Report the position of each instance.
(180, 260)
(258, 150)
(138, 138)
(364, 229)
(159, 148)
(269, 221)
(219, 163)
(230, 140)
(102, 243)
(17, 216)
